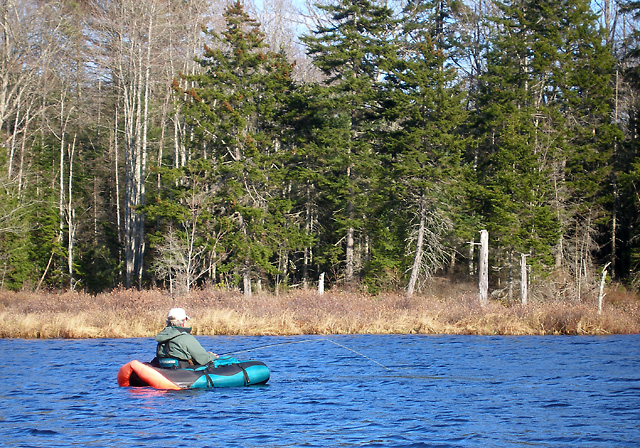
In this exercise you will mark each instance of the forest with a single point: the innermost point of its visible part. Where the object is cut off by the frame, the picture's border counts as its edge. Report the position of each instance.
(266, 146)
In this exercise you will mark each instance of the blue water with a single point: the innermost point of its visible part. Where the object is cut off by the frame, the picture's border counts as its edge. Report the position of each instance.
(397, 391)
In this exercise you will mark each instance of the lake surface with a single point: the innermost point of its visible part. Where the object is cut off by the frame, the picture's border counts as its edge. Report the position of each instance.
(396, 391)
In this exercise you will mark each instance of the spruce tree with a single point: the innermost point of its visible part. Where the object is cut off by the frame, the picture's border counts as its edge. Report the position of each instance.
(627, 262)
(350, 48)
(424, 107)
(591, 140)
(234, 110)
(543, 127)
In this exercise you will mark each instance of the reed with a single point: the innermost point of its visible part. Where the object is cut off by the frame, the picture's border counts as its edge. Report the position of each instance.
(451, 310)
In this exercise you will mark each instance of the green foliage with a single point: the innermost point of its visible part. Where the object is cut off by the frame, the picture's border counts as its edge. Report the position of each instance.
(270, 178)
(234, 110)
(625, 200)
(544, 125)
(351, 49)
(423, 142)
(17, 266)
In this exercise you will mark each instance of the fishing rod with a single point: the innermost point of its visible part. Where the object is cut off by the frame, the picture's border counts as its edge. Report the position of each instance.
(306, 340)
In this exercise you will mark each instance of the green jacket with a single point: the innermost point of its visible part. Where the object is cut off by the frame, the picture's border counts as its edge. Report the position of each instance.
(177, 342)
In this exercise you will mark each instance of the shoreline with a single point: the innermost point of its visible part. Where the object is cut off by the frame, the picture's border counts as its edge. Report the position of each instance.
(132, 313)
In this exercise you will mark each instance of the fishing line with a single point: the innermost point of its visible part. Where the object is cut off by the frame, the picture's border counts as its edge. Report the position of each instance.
(266, 346)
(306, 340)
(358, 353)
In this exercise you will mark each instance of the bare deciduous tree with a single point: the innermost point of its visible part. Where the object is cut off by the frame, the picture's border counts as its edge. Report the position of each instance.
(427, 238)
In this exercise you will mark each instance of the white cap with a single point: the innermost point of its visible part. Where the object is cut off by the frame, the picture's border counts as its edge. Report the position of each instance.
(177, 314)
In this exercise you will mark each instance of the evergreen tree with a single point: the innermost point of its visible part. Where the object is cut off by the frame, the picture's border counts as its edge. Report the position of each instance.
(627, 262)
(591, 139)
(16, 263)
(234, 112)
(350, 49)
(544, 130)
(188, 236)
(425, 106)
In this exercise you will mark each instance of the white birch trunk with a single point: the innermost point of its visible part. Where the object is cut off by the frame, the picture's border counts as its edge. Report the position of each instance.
(137, 172)
(177, 140)
(523, 279)
(471, 246)
(246, 281)
(71, 216)
(483, 282)
(123, 76)
(142, 164)
(12, 145)
(601, 294)
(134, 73)
(190, 256)
(350, 259)
(308, 252)
(23, 150)
(349, 256)
(321, 284)
(417, 259)
(116, 174)
(5, 36)
(61, 193)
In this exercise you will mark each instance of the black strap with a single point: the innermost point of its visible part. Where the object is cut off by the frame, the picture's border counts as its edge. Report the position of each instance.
(246, 376)
(209, 380)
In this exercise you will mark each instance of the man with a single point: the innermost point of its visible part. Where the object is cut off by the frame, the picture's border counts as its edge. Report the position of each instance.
(175, 342)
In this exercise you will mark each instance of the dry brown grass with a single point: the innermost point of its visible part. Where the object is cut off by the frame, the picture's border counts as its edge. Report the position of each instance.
(451, 309)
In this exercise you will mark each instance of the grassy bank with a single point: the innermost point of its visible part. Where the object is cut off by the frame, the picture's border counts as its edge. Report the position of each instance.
(452, 310)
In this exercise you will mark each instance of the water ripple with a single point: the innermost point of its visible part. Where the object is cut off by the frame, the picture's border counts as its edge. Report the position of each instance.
(441, 391)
